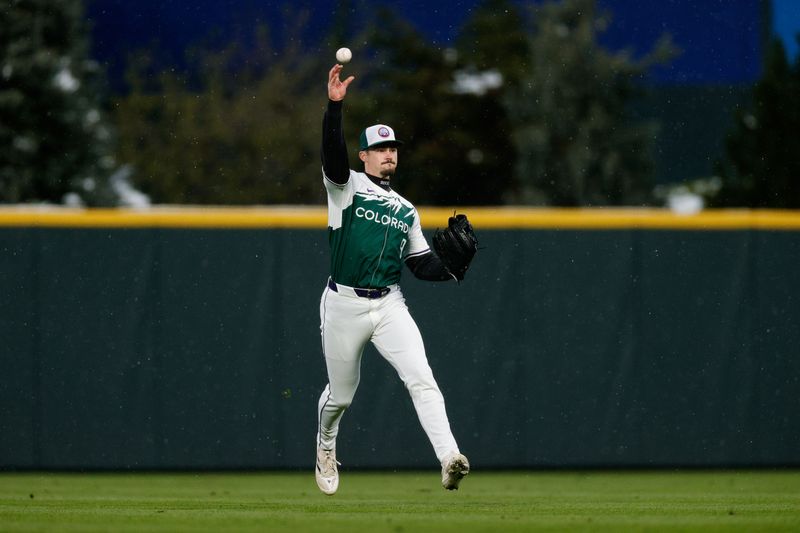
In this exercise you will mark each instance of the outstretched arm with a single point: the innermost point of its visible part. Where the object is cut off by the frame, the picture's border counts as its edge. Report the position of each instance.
(334, 149)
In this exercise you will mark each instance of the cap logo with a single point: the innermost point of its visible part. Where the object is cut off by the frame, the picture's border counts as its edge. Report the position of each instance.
(383, 132)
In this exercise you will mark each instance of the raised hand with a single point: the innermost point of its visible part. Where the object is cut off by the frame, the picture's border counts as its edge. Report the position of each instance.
(337, 89)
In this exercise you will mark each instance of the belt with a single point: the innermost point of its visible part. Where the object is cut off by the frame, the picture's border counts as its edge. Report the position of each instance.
(372, 294)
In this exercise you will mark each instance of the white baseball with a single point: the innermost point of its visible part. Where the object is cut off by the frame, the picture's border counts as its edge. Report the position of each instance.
(344, 55)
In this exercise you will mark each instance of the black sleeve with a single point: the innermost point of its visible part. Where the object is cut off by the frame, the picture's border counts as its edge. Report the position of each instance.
(334, 149)
(428, 267)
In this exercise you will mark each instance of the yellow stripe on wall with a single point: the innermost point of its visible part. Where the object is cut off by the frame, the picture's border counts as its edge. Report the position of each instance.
(618, 218)
(178, 217)
(432, 217)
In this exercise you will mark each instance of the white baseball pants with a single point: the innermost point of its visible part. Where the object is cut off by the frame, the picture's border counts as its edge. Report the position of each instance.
(347, 323)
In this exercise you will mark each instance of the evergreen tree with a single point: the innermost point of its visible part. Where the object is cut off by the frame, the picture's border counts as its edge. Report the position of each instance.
(762, 168)
(495, 38)
(406, 84)
(575, 143)
(492, 57)
(55, 143)
(446, 103)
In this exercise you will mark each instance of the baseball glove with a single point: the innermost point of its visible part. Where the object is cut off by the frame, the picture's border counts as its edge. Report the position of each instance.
(456, 245)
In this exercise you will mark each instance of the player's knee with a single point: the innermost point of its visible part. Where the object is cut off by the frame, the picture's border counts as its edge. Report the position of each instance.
(342, 403)
(345, 404)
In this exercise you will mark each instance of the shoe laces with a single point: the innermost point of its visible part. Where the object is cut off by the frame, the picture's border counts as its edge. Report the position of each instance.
(329, 463)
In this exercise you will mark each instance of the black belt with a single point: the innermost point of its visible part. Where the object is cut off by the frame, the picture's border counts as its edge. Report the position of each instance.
(372, 294)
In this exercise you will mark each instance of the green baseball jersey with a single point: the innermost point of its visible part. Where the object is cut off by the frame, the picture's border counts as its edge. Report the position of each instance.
(371, 232)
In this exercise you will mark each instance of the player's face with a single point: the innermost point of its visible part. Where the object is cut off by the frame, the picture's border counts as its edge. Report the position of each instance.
(380, 161)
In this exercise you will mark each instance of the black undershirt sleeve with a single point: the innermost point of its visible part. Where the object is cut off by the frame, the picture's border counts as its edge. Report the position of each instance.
(428, 267)
(334, 149)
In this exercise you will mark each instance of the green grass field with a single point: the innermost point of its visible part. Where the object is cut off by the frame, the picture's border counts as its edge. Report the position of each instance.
(406, 501)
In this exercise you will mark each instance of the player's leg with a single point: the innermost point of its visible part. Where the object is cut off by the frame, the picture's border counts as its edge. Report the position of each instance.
(398, 340)
(345, 328)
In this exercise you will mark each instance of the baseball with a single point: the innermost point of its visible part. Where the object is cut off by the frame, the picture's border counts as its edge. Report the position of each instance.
(344, 55)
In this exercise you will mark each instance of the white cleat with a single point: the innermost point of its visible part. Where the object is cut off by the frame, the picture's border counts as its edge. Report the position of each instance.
(454, 467)
(327, 473)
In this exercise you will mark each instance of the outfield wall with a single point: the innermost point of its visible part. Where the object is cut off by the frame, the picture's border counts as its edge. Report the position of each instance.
(189, 338)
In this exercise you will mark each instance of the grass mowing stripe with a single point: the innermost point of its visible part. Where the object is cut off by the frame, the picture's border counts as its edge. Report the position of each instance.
(405, 501)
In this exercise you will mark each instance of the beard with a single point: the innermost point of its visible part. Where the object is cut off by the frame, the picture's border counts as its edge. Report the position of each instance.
(387, 172)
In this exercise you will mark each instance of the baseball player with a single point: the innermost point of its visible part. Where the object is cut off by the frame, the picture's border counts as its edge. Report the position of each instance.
(373, 231)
